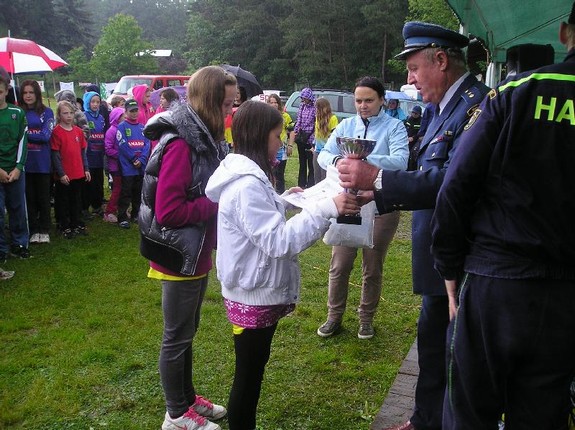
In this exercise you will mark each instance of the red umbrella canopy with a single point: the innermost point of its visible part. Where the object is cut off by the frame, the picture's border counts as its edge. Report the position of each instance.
(26, 56)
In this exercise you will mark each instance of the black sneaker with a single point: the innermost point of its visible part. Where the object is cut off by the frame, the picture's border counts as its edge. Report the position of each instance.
(68, 234)
(99, 212)
(19, 251)
(329, 328)
(81, 231)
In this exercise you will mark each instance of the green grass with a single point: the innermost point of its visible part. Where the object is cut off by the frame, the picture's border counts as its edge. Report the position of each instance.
(80, 329)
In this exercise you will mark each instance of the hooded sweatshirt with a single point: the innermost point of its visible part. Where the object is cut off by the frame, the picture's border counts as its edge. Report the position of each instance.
(257, 254)
(133, 146)
(110, 143)
(96, 123)
(146, 110)
(104, 109)
(305, 120)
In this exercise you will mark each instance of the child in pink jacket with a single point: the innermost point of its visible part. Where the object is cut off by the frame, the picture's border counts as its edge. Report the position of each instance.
(111, 147)
(142, 95)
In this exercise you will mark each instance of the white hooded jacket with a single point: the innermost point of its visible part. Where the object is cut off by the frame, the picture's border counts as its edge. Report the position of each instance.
(257, 247)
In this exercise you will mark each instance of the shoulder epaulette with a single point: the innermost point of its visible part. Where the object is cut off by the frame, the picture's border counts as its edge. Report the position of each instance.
(472, 96)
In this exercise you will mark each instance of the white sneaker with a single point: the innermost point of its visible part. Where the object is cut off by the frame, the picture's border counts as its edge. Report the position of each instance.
(44, 238)
(35, 238)
(6, 274)
(189, 421)
(207, 409)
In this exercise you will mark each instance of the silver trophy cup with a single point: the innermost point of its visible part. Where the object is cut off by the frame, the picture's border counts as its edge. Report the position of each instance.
(352, 147)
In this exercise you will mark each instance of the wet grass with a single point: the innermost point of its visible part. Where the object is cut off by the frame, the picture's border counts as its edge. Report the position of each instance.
(80, 328)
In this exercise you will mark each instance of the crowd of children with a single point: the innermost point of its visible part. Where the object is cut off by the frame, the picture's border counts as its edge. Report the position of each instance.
(63, 160)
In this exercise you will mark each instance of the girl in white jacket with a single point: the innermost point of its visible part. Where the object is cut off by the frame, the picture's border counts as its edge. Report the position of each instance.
(257, 248)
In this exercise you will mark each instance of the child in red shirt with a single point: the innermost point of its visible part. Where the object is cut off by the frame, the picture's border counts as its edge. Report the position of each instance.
(68, 146)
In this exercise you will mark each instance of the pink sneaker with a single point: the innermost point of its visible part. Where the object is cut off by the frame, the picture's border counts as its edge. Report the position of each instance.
(208, 409)
(111, 218)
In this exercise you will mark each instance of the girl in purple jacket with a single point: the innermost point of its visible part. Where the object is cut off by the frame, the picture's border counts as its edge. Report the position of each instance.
(38, 164)
(112, 150)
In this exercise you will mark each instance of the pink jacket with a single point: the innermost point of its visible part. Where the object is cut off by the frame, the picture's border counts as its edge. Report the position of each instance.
(146, 110)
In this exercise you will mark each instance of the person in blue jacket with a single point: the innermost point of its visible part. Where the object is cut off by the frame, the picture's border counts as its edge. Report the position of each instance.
(390, 152)
(40, 120)
(134, 150)
(503, 235)
(394, 111)
(436, 66)
(94, 196)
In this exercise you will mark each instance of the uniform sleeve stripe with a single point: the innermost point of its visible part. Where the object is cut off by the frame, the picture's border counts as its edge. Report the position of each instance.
(540, 77)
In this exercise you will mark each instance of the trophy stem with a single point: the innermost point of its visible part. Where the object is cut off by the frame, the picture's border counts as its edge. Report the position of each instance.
(349, 219)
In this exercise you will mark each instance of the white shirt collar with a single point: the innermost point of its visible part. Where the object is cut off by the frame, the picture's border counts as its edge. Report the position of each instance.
(449, 93)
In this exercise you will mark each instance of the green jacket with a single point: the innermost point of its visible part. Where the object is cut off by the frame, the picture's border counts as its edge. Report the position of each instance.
(13, 138)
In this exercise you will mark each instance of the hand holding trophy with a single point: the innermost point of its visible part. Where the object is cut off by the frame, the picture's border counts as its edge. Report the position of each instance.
(351, 147)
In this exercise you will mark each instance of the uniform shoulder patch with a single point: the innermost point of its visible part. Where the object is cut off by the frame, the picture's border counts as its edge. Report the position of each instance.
(473, 95)
(474, 115)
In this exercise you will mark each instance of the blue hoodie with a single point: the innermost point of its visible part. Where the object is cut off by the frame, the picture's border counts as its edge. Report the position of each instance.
(96, 123)
(133, 145)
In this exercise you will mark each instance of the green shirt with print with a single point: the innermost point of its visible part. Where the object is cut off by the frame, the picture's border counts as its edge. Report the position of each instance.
(13, 138)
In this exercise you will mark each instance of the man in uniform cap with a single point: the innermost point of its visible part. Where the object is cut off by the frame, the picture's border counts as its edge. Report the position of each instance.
(436, 66)
(503, 233)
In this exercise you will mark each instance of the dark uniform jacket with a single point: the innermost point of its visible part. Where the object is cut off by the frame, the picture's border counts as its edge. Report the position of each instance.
(506, 208)
(417, 190)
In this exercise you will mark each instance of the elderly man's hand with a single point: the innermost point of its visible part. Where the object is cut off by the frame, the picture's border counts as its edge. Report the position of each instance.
(356, 174)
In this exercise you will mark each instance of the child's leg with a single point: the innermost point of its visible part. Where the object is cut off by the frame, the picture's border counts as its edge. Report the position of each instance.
(96, 189)
(181, 306)
(112, 206)
(43, 196)
(3, 243)
(252, 354)
(32, 196)
(17, 214)
(62, 202)
(75, 203)
(279, 173)
(125, 197)
(136, 197)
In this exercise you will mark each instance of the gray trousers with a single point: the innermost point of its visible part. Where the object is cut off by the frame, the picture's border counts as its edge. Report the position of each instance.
(342, 259)
(181, 303)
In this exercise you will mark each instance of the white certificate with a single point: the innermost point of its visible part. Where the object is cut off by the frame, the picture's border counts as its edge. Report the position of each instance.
(326, 189)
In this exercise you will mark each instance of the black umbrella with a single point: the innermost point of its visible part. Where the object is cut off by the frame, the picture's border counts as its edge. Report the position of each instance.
(245, 79)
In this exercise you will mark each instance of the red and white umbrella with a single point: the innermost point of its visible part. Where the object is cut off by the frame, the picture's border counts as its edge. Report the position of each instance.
(26, 56)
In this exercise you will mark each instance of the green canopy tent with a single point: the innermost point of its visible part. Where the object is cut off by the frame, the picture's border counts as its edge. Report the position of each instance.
(501, 24)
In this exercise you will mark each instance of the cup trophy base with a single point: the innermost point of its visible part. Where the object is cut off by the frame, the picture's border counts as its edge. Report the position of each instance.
(349, 219)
